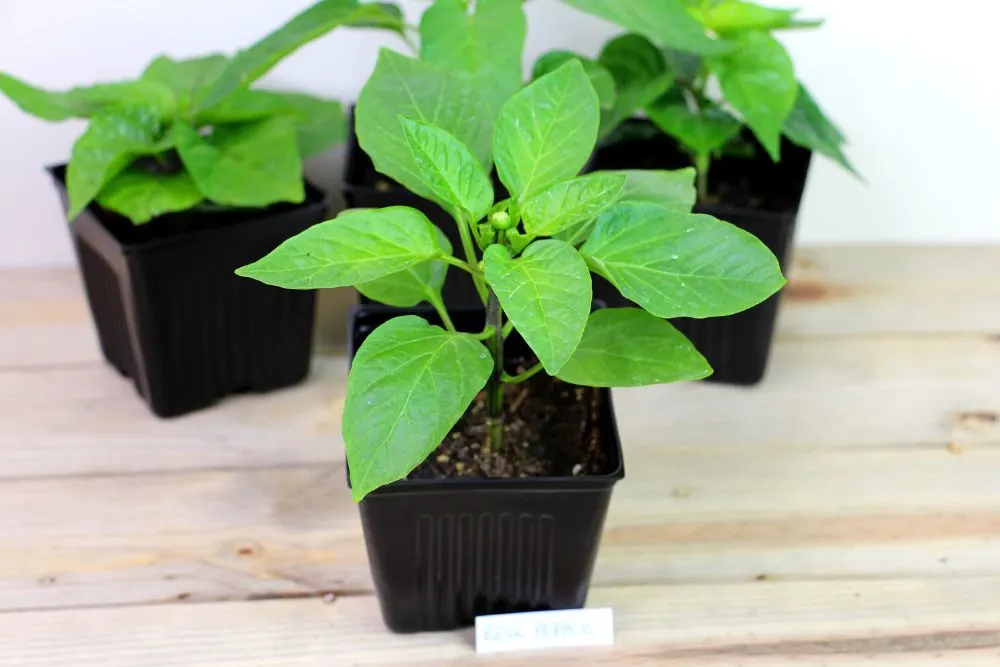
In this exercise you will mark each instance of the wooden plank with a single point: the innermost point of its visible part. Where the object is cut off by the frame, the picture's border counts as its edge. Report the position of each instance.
(904, 622)
(893, 290)
(879, 392)
(712, 515)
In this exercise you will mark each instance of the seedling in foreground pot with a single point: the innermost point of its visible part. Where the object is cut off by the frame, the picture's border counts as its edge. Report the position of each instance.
(189, 132)
(412, 381)
(678, 49)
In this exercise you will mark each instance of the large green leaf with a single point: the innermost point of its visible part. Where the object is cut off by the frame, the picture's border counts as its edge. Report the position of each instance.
(758, 79)
(402, 86)
(319, 123)
(113, 140)
(628, 347)
(487, 44)
(85, 102)
(449, 168)
(247, 164)
(681, 265)
(729, 16)
(568, 203)
(547, 131)
(141, 196)
(185, 78)
(640, 74)
(809, 127)
(254, 62)
(421, 282)
(674, 190)
(600, 77)
(546, 293)
(356, 247)
(702, 132)
(666, 22)
(409, 385)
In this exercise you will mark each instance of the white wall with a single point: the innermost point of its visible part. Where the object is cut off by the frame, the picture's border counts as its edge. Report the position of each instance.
(916, 91)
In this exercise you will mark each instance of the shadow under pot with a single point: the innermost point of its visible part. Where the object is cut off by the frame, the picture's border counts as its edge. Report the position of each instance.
(172, 315)
(445, 548)
(755, 194)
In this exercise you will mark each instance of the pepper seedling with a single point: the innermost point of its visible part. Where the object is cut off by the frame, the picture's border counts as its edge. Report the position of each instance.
(188, 132)
(411, 380)
(702, 70)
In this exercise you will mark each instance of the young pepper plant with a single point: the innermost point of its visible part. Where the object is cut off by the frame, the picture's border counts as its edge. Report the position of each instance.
(411, 380)
(192, 131)
(676, 52)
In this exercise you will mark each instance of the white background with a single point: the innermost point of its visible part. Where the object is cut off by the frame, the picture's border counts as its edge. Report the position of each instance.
(914, 87)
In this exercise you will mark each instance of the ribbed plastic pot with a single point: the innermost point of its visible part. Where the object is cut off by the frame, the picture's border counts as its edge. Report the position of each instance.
(737, 346)
(443, 551)
(171, 314)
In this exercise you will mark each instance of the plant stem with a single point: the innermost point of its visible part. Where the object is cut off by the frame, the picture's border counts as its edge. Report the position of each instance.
(465, 266)
(507, 328)
(523, 377)
(470, 253)
(442, 312)
(702, 163)
(494, 388)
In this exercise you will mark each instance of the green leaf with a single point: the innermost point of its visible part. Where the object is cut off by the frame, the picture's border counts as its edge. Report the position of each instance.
(248, 164)
(319, 123)
(252, 63)
(421, 282)
(702, 132)
(185, 79)
(673, 190)
(85, 102)
(488, 44)
(402, 86)
(568, 203)
(141, 196)
(731, 16)
(758, 79)
(113, 140)
(628, 347)
(640, 74)
(600, 78)
(409, 385)
(809, 127)
(449, 168)
(384, 15)
(666, 22)
(356, 247)
(547, 131)
(681, 265)
(546, 293)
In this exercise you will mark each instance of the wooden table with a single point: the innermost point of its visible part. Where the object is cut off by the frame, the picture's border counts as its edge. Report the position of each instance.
(847, 511)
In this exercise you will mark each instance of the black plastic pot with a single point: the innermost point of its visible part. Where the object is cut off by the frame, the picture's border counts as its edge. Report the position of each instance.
(171, 314)
(737, 346)
(444, 551)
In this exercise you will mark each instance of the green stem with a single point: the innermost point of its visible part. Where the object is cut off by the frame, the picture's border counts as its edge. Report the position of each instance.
(507, 328)
(494, 388)
(470, 254)
(408, 40)
(465, 266)
(435, 300)
(702, 163)
(484, 334)
(523, 377)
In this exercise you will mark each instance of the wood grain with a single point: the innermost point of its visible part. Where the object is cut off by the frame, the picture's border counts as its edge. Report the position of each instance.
(901, 622)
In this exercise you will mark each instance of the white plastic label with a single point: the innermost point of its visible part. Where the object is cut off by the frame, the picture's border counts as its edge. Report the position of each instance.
(545, 629)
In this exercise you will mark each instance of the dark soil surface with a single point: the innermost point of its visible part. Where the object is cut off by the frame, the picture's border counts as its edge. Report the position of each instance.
(551, 429)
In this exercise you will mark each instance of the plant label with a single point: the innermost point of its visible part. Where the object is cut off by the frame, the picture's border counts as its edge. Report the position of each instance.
(545, 629)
